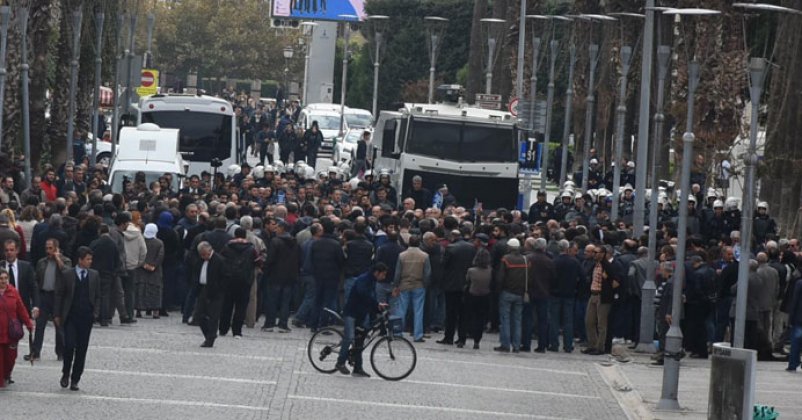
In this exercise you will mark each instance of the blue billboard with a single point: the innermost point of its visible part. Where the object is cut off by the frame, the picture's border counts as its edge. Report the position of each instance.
(319, 9)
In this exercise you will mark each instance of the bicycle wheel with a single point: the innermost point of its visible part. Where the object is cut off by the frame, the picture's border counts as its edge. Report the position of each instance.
(324, 348)
(393, 358)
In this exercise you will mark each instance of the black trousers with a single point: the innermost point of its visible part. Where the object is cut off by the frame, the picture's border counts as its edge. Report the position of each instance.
(77, 330)
(106, 289)
(454, 315)
(695, 330)
(235, 303)
(46, 301)
(208, 313)
(476, 310)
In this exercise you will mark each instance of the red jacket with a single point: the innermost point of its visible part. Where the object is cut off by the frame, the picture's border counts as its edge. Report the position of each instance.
(11, 305)
(51, 192)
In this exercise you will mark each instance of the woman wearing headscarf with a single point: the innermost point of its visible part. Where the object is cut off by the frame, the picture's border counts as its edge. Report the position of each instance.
(11, 309)
(149, 280)
(173, 254)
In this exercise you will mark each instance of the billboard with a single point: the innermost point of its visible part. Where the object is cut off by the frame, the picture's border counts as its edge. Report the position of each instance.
(319, 9)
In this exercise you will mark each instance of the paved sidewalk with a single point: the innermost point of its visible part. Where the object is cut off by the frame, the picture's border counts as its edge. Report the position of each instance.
(637, 386)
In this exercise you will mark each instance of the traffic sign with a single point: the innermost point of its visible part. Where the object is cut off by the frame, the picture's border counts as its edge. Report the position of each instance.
(488, 105)
(149, 82)
(487, 97)
(513, 107)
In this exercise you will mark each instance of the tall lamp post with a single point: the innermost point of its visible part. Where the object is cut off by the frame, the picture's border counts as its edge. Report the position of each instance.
(148, 61)
(495, 29)
(5, 14)
(621, 113)
(377, 26)
(288, 53)
(758, 68)
(554, 45)
(26, 114)
(590, 99)
(435, 26)
(309, 33)
(645, 337)
(99, 18)
(348, 19)
(77, 16)
(643, 120)
(668, 397)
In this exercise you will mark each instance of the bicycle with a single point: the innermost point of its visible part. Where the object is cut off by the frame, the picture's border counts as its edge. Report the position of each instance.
(395, 364)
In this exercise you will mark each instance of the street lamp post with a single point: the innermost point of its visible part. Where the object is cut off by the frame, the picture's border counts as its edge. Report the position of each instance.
(495, 30)
(536, 43)
(621, 113)
(309, 33)
(99, 18)
(115, 116)
(553, 47)
(758, 69)
(5, 14)
(129, 95)
(288, 53)
(26, 114)
(668, 397)
(645, 341)
(377, 23)
(77, 16)
(346, 53)
(569, 108)
(148, 53)
(643, 121)
(435, 26)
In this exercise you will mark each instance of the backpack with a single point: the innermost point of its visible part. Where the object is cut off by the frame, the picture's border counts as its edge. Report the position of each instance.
(240, 264)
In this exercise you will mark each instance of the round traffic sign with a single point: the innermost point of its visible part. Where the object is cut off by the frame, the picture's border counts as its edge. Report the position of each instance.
(148, 78)
(514, 107)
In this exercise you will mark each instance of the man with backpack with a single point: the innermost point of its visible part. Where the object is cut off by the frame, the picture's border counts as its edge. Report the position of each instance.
(241, 257)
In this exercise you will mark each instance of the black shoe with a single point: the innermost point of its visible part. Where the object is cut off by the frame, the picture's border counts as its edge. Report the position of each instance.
(698, 356)
(104, 323)
(65, 381)
(59, 358)
(539, 350)
(185, 321)
(342, 369)
(298, 324)
(360, 374)
(139, 314)
(568, 350)
(9, 381)
(790, 369)
(74, 386)
(553, 349)
(658, 362)
(420, 340)
(460, 344)
(28, 358)
(163, 313)
(525, 349)
(502, 349)
(476, 346)
(444, 341)
(207, 344)
(595, 353)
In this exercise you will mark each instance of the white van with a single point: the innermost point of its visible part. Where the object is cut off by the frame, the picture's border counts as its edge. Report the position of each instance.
(149, 149)
(328, 119)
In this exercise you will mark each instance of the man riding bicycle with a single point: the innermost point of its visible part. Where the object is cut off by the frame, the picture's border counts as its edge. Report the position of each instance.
(360, 303)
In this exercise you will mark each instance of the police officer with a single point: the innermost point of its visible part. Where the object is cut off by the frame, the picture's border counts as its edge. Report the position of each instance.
(541, 210)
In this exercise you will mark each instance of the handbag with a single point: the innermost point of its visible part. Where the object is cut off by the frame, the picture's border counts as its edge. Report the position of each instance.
(526, 283)
(15, 331)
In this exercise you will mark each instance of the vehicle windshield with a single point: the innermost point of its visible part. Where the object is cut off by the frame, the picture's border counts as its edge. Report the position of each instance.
(326, 122)
(358, 120)
(462, 142)
(120, 177)
(203, 135)
(353, 136)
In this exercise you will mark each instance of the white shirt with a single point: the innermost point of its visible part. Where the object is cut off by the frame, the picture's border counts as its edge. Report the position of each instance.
(202, 279)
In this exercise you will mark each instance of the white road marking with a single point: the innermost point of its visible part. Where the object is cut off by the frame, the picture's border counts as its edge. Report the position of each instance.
(426, 407)
(183, 403)
(500, 365)
(477, 387)
(157, 375)
(187, 353)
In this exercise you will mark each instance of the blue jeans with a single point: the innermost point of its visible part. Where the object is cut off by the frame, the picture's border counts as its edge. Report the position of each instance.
(384, 292)
(580, 309)
(278, 305)
(561, 308)
(325, 297)
(722, 317)
(796, 344)
(417, 297)
(509, 310)
(189, 303)
(435, 313)
(308, 302)
(347, 286)
(345, 344)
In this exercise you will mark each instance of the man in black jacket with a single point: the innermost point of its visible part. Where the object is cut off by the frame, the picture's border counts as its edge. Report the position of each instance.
(211, 283)
(314, 139)
(281, 275)
(568, 276)
(327, 263)
(241, 255)
(457, 259)
(21, 276)
(106, 262)
(421, 195)
(358, 254)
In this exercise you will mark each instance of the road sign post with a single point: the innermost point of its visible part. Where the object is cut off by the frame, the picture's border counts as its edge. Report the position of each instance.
(149, 82)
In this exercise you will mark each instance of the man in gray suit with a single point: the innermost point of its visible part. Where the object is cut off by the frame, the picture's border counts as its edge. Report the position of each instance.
(76, 307)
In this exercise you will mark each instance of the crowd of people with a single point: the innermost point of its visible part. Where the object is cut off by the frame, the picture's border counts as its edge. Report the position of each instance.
(230, 249)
